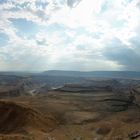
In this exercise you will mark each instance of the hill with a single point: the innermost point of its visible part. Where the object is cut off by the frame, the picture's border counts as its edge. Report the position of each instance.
(17, 118)
(109, 74)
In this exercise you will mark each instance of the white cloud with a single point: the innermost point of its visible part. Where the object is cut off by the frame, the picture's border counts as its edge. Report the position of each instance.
(86, 28)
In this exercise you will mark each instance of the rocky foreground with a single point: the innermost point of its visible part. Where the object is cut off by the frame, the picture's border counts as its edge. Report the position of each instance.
(69, 116)
(93, 109)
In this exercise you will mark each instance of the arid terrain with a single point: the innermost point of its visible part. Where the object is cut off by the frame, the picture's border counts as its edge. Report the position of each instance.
(76, 109)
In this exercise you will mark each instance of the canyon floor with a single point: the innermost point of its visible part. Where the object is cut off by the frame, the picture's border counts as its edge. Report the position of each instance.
(62, 115)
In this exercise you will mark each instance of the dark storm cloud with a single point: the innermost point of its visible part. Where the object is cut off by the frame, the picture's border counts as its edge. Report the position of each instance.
(73, 3)
(123, 55)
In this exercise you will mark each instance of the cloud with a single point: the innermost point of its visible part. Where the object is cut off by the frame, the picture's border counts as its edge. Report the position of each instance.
(69, 34)
(125, 56)
(73, 3)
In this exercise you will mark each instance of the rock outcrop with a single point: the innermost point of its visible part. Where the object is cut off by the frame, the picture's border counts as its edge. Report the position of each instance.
(18, 118)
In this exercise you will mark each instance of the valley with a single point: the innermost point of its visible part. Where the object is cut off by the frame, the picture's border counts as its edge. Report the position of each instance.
(69, 108)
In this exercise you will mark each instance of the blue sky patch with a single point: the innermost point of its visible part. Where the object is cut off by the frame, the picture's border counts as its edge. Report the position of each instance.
(25, 27)
(3, 39)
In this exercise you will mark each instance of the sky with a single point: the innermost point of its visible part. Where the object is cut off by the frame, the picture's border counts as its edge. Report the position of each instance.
(85, 35)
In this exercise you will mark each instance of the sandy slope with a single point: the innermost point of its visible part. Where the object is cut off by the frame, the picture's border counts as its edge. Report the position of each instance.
(21, 121)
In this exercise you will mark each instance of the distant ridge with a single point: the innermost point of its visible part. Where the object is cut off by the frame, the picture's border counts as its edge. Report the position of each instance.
(106, 74)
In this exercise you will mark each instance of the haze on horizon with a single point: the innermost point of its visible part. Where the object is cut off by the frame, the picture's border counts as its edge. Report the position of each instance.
(83, 35)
